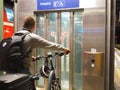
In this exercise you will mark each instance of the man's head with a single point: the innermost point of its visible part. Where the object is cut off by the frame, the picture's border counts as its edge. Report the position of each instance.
(29, 23)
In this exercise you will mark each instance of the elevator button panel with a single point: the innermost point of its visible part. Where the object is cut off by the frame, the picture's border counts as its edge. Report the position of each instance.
(93, 64)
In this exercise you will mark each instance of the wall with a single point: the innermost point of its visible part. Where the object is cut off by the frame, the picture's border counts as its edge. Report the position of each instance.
(25, 8)
(92, 3)
(1, 19)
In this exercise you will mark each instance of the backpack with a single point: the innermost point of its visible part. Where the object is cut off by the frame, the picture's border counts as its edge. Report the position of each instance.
(12, 54)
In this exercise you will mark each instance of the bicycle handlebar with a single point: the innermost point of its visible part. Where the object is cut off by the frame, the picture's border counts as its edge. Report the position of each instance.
(50, 54)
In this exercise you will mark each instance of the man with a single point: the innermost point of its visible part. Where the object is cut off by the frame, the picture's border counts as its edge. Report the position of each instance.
(35, 41)
(29, 42)
(32, 41)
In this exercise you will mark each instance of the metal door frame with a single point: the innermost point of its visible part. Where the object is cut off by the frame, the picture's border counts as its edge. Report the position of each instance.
(71, 39)
(110, 32)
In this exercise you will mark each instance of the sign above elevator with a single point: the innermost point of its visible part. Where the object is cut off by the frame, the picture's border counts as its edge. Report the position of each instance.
(56, 4)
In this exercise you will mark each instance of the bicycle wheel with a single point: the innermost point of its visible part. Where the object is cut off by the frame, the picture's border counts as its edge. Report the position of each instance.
(53, 82)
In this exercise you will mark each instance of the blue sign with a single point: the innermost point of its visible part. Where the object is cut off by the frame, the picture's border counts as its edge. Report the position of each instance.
(56, 4)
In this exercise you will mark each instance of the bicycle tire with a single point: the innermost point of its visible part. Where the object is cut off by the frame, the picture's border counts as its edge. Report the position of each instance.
(50, 80)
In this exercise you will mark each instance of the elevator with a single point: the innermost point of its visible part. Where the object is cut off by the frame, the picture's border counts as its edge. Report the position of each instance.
(64, 27)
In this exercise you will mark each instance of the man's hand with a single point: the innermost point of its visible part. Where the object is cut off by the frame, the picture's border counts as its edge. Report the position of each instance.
(33, 58)
(66, 51)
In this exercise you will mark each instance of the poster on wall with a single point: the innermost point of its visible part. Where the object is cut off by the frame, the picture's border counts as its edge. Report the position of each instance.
(56, 4)
(8, 20)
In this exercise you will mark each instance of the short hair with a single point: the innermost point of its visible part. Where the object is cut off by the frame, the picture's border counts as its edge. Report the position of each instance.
(29, 22)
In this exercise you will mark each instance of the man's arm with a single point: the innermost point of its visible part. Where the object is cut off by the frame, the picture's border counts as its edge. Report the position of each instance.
(39, 42)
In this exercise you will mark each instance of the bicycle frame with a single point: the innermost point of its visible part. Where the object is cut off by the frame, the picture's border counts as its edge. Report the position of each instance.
(53, 80)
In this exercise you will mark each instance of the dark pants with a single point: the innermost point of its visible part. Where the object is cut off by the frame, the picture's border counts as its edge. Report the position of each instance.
(32, 83)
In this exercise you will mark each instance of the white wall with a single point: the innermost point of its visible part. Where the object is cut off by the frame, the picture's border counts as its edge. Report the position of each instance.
(92, 3)
(25, 8)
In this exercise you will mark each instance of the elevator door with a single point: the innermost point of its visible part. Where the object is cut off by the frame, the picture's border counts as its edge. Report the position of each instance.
(65, 28)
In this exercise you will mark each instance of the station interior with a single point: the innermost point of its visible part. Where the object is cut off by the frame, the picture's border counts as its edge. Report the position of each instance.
(93, 26)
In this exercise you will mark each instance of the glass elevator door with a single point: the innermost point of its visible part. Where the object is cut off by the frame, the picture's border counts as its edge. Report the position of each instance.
(65, 28)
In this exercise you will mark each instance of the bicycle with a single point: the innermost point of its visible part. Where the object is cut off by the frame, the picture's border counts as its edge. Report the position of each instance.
(47, 71)
(19, 81)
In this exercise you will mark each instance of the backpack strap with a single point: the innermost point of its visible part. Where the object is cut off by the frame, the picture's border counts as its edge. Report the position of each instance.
(29, 50)
(20, 34)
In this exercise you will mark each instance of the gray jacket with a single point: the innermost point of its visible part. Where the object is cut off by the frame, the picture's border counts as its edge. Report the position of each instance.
(35, 41)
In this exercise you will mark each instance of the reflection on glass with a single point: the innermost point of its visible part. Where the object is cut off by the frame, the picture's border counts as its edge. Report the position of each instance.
(65, 29)
(40, 31)
(52, 27)
(40, 25)
(52, 31)
(78, 29)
